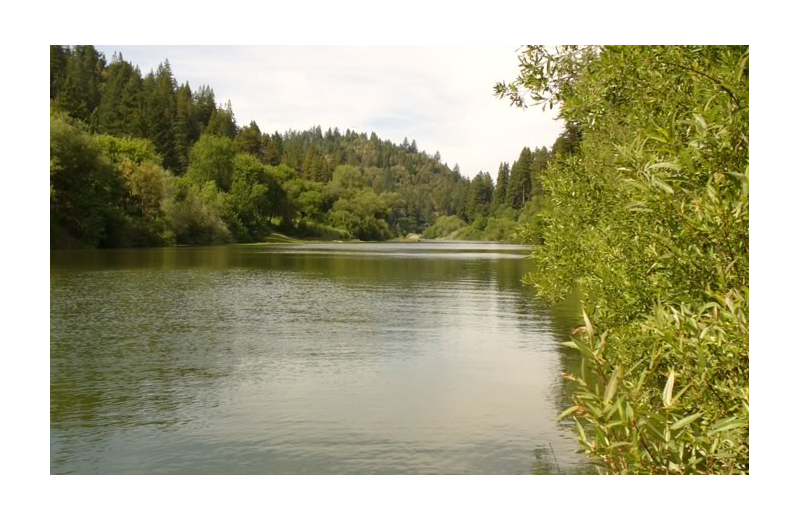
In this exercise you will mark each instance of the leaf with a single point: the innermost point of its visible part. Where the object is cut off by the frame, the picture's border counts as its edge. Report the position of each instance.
(568, 411)
(611, 388)
(701, 121)
(635, 205)
(686, 420)
(589, 328)
(581, 433)
(667, 394)
(663, 185)
(657, 138)
(727, 424)
(665, 165)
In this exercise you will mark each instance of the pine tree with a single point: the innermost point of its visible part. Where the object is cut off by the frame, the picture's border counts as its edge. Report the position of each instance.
(248, 140)
(204, 106)
(518, 191)
(111, 110)
(79, 94)
(499, 195)
(222, 122)
(58, 69)
(131, 100)
(182, 126)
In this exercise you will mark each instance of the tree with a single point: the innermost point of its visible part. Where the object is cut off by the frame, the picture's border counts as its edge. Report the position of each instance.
(647, 211)
(79, 92)
(569, 140)
(480, 195)
(222, 122)
(251, 205)
(349, 177)
(499, 195)
(248, 140)
(519, 187)
(539, 159)
(211, 159)
(58, 69)
(85, 193)
(204, 106)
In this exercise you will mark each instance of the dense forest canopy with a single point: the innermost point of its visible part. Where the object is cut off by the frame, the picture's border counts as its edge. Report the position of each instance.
(141, 159)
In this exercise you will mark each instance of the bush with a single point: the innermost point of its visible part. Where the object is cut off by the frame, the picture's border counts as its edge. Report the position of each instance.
(311, 229)
(444, 227)
(649, 216)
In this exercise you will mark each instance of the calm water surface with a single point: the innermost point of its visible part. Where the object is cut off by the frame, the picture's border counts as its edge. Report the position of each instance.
(315, 358)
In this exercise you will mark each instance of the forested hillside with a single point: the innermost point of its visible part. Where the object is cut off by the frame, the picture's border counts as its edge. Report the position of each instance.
(141, 159)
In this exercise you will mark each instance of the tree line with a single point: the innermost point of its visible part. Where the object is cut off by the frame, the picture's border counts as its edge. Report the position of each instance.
(140, 159)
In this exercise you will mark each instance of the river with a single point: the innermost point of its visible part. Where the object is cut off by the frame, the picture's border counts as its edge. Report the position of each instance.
(321, 358)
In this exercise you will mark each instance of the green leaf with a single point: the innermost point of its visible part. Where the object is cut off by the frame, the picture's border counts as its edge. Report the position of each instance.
(636, 205)
(657, 138)
(727, 424)
(568, 411)
(581, 433)
(686, 420)
(663, 185)
(665, 165)
(611, 388)
(700, 121)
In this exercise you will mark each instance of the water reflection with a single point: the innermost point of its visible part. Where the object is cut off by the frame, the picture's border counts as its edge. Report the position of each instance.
(323, 358)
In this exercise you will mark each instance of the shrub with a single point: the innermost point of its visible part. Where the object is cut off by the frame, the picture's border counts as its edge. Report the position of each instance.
(649, 215)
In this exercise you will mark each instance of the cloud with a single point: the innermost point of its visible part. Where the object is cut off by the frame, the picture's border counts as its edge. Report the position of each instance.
(440, 96)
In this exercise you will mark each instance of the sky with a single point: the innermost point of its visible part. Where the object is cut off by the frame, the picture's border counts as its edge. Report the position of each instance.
(440, 96)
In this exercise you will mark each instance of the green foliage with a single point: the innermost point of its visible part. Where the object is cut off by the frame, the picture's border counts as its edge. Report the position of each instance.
(146, 183)
(165, 128)
(499, 195)
(348, 177)
(85, 192)
(211, 159)
(252, 202)
(479, 199)
(311, 229)
(647, 211)
(519, 187)
(683, 406)
(444, 227)
(222, 122)
(362, 215)
(136, 149)
(248, 139)
(195, 213)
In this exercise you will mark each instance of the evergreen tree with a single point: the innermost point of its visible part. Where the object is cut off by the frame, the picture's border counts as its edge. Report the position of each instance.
(111, 111)
(248, 140)
(222, 122)
(568, 142)
(58, 68)
(182, 127)
(204, 106)
(499, 195)
(79, 94)
(518, 191)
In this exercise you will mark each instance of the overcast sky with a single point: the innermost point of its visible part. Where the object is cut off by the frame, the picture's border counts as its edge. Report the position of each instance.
(440, 96)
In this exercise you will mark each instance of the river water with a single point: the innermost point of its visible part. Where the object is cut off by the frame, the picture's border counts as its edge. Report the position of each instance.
(313, 358)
